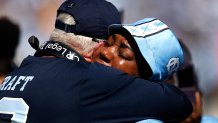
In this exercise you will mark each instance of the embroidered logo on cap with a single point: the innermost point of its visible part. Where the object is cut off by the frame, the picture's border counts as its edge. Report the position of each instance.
(173, 65)
(70, 5)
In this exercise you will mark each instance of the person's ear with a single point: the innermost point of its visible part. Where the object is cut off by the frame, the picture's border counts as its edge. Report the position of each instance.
(198, 102)
(88, 56)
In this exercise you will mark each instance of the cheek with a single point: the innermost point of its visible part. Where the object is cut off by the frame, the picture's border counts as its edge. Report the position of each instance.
(128, 67)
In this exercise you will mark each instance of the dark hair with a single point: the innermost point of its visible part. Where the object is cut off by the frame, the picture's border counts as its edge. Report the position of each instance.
(9, 33)
(186, 76)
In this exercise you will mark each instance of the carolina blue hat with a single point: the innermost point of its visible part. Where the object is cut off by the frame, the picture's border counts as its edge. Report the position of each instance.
(92, 17)
(155, 46)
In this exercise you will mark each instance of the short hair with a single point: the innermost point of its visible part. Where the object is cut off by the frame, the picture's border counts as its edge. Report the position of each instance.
(81, 44)
(186, 76)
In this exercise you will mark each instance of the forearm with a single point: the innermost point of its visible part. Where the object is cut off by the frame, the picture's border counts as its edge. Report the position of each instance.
(125, 98)
(178, 106)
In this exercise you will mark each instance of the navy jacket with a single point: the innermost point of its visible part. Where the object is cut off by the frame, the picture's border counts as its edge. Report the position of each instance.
(57, 90)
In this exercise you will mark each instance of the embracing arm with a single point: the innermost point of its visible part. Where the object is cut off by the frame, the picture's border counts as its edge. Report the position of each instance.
(114, 96)
(162, 101)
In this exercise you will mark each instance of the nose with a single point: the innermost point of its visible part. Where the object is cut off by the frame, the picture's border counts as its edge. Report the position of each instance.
(107, 55)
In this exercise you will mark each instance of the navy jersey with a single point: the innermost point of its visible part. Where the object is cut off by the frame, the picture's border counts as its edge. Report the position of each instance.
(56, 90)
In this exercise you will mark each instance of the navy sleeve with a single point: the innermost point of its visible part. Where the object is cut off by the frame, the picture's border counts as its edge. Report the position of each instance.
(108, 95)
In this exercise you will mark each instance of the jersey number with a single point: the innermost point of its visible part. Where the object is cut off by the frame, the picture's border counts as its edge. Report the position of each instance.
(16, 107)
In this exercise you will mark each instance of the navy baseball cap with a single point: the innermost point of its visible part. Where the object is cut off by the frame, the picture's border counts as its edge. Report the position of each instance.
(92, 17)
(155, 47)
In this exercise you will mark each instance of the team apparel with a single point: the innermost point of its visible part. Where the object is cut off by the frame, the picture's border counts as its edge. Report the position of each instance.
(57, 90)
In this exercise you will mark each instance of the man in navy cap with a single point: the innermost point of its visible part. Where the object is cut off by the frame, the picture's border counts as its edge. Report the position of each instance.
(58, 85)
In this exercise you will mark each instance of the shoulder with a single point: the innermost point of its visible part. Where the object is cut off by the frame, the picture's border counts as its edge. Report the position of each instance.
(102, 70)
(106, 79)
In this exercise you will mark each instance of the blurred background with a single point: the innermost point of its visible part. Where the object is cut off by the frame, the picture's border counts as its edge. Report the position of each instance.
(194, 21)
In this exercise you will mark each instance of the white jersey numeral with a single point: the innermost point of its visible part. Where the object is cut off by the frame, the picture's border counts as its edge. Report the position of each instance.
(16, 107)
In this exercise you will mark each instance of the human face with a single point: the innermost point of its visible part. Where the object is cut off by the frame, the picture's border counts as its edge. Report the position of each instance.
(117, 53)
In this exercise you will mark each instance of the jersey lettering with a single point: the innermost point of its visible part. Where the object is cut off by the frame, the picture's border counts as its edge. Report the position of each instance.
(8, 87)
(10, 83)
(6, 80)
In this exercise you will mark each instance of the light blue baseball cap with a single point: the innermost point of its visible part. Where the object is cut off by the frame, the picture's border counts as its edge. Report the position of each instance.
(155, 47)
